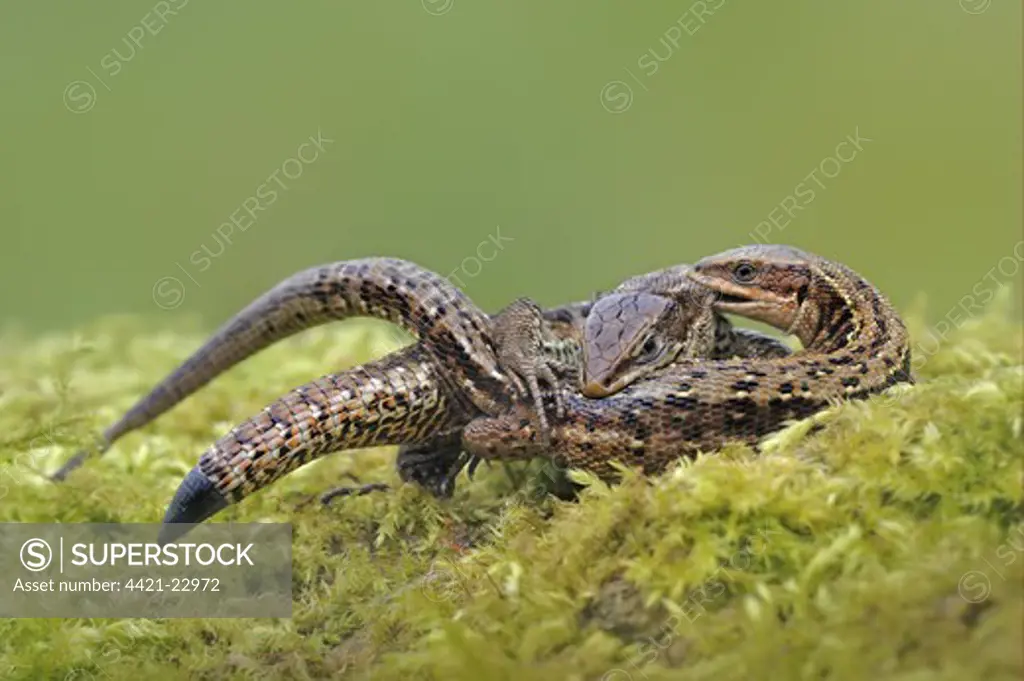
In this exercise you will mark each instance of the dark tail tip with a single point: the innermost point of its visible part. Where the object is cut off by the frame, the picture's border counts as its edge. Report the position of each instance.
(71, 464)
(195, 501)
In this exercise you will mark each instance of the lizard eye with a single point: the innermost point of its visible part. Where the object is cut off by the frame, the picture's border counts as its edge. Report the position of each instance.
(649, 350)
(744, 272)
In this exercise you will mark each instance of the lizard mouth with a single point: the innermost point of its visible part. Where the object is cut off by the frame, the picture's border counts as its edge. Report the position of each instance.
(729, 294)
(753, 302)
(730, 299)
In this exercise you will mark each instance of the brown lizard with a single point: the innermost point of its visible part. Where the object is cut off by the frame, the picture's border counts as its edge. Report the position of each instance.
(855, 345)
(453, 333)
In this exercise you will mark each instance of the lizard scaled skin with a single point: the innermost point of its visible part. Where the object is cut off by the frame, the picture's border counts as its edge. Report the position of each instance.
(855, 345)
(454, 332)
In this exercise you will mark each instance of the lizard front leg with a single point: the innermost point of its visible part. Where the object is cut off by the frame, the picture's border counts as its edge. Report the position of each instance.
(519, 336)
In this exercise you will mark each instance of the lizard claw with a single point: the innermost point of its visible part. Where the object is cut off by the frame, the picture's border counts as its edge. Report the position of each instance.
(474, 463)
(446, 487)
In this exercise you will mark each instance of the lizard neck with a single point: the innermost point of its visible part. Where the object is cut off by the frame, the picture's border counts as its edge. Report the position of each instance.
(845, 316)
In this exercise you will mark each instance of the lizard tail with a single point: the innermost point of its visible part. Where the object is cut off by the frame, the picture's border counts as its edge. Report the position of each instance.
(398, 399)
(196, 500)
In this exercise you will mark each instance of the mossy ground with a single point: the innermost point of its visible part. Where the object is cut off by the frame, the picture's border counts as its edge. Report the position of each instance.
(888, 545)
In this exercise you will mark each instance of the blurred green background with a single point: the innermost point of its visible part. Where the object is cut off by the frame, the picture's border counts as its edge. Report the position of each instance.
(452, 120)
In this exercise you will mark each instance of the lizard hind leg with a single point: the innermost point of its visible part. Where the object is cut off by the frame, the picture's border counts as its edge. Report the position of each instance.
(435, 464)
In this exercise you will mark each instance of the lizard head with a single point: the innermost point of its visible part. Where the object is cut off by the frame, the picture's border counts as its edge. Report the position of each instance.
(630, 335)
(767, 283)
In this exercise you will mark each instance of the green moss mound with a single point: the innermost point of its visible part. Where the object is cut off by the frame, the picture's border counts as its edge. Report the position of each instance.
(887, 545)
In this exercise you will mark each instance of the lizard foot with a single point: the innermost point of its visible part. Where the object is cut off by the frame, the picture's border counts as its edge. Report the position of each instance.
(435, 464)
(519, 332)
(510, 437)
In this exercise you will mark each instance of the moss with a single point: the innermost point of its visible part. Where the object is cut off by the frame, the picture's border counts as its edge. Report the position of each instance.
(888, 544)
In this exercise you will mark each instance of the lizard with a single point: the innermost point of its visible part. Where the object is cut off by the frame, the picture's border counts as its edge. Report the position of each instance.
(376, 404)
(453, 333)
(854, 345)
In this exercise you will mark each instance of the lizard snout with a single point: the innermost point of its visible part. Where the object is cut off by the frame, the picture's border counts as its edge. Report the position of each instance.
(596, 389)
